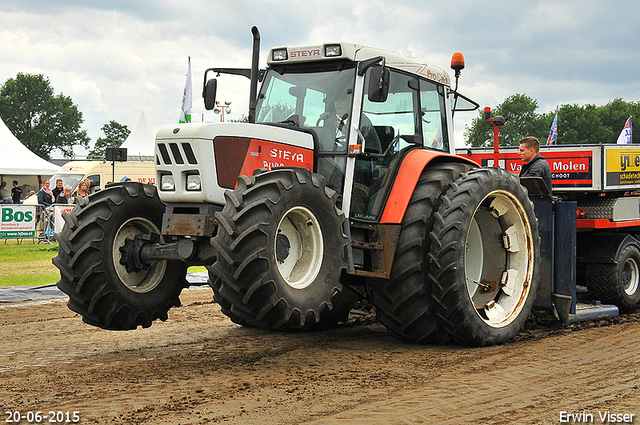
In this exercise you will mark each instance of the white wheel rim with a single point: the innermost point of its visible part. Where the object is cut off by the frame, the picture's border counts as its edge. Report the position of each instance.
(498, 263)
(144, 280)
(299, 265)
(630, 276)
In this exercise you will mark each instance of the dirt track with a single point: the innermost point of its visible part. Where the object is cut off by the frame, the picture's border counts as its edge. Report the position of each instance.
(199, 367)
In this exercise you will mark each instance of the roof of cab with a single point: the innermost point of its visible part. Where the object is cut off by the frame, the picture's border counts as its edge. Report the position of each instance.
(357, 53)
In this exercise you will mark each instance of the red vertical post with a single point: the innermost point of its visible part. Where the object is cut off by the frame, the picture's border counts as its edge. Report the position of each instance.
(496, 122)
(496, 147)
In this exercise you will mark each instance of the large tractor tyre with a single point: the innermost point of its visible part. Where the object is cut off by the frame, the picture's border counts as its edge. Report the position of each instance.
(99, 287)
(280, 252)
(618, 283)
(485, 252)
(403, 302)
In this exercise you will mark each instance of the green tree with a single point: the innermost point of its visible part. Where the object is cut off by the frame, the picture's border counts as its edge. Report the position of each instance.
(520, 110)
(39, 119)
(244, 118)
(115, 135)
(614, 115)
(579, 125)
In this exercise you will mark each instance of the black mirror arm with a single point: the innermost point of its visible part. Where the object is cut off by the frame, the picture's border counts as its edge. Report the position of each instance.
(366, 64)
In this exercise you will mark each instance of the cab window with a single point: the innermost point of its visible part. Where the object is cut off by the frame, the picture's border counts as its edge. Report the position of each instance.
(433, 116)
(389, 129)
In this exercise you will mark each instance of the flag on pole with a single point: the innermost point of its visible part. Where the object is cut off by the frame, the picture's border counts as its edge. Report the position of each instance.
(625, 135)
(437, 139)
(185, 110)
(553, 133)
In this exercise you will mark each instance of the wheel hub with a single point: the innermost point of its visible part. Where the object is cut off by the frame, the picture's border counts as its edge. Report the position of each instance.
(497, 265)
(131, 252)
(630, 277)
(299, 247)
(136, 277)
(282, 247)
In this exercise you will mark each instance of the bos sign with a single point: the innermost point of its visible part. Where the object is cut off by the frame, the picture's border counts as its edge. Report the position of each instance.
(18, 221)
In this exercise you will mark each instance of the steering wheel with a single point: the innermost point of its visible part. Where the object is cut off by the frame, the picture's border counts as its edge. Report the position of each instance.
(393, 148)
(322, 117)
(325, 117)
(340, 136)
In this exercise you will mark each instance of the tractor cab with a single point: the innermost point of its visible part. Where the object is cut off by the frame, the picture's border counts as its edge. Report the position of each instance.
(365, 108)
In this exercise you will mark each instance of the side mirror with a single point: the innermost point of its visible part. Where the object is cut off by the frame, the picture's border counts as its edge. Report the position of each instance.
(209, 94)
(379, 84)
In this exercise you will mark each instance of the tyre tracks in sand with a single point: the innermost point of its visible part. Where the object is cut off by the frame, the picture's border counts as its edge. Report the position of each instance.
(198, 367)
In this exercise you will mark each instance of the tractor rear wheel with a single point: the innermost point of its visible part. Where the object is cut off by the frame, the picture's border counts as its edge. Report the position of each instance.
(99, 287)
(485, 257)
(618, 283)
(280, 252)
(403, 302)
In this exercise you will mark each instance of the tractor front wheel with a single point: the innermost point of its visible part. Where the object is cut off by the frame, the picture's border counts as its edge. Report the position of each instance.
(99, 287)
(280, 252)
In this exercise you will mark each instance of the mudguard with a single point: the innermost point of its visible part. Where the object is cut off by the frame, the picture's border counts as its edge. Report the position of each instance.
(605, 247)
(410, 170)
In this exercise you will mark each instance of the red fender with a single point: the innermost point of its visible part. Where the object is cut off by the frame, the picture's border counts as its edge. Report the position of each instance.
(407, 179)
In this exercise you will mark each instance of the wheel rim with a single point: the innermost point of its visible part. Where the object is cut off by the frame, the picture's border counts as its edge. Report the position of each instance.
(498, 283)
(144, 280)
(630, 276)
(299, 247)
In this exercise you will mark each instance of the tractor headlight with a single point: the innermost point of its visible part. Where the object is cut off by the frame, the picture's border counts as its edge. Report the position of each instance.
(167, 182)
(193, 182)
(279, 55)
(332, 50)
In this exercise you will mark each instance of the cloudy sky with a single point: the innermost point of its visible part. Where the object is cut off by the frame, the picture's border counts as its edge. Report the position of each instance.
(118, 58)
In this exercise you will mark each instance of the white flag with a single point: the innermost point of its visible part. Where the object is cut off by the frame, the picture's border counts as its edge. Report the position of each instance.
(185, 110)
(625, 135)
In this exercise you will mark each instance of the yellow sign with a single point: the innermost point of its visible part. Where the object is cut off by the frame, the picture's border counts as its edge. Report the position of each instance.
(623, 160)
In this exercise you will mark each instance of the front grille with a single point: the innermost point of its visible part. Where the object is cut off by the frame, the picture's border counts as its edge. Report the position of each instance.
(164, 153)
(230, 154)
(188, 152)
(174, 155)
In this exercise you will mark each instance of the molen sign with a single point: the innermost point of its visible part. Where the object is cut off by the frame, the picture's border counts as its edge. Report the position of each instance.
(18, 221)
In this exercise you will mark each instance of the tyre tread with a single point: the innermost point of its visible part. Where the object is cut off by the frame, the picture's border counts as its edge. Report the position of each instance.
(240, 277)
(403, 302)
(83, 270)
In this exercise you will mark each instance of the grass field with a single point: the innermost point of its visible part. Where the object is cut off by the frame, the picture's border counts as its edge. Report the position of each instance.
(29, 264)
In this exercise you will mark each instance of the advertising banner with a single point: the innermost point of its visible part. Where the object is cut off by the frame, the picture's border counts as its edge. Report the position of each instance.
(18, 221)
(57, 213)
(623, 167)
(572, 168)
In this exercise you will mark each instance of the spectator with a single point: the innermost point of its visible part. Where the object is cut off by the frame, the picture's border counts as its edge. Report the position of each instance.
(82, 196)
(4, 193)
(65, 196)
(45, 197)
(91, 189)
(58, 189)
(536, 165)
(16, 193)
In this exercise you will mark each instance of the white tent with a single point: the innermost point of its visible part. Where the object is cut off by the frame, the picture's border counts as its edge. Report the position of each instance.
(17, 160)
(142, 140)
